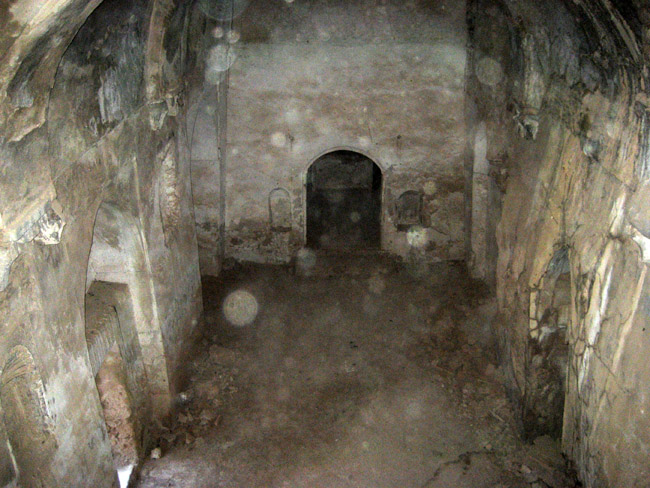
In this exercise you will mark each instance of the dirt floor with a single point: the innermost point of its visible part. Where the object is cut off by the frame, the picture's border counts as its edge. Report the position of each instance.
(376, 375)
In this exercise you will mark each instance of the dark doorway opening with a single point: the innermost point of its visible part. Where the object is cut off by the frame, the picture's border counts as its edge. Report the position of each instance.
(343, 202)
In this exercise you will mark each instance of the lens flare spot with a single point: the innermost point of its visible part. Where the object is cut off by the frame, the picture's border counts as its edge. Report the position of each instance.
(416, 236)
(233, 36)
(489, 71)
(430, 188)
(306, 258)
(219, 60)
(240, 308)
(365, 142)
(278, 139)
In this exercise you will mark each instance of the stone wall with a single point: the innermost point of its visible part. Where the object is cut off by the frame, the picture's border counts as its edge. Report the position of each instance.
(109, 135)
(385, 80)
(560, 105)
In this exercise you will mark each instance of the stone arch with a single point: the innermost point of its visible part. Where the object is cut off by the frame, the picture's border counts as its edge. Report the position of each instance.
(26, 418)
(166, 50)
(375, 158)
(117, 366)
(548, 351)
(118, 256)
(343, 201)
(280, 210)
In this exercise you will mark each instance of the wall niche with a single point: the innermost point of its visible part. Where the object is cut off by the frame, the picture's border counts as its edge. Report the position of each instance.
(408, 210)
(280, 210)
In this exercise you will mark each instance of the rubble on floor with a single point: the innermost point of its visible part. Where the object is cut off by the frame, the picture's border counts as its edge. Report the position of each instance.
(380, 378)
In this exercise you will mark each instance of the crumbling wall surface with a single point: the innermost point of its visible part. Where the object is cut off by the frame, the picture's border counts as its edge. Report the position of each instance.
(381, 78)
(111, 135)
(206, 127)
(567, 148)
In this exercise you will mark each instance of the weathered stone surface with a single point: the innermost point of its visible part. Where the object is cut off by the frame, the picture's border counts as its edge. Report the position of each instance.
(524, 154)
(390, 87)
(84, 140)
(573, 187)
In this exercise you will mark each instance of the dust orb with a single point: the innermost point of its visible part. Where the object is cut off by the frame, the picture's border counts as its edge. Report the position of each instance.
(240, 308)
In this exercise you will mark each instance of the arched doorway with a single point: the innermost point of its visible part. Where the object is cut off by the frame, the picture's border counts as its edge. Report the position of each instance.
(344, 202)
(123, 337)
(117, 257)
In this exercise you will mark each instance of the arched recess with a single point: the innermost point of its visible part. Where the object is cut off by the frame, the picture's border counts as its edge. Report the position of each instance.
(118, 257)
(26, 419)
(344, 190)
(280, 210)
(117, 365)
(548, 351)
(408, 210)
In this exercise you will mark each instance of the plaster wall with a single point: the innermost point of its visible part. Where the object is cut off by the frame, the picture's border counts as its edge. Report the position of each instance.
(367, 77)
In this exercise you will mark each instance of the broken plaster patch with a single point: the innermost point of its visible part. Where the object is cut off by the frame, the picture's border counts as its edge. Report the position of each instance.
(50, 226)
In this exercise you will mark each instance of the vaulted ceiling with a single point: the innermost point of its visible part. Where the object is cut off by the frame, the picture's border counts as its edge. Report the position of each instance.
(36, 33)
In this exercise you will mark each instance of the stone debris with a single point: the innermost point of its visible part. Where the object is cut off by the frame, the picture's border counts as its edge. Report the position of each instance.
(256, 411)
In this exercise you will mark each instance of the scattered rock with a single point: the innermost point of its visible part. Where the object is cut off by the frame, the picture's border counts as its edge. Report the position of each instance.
(222, 355)
(183, 398)
(206, 416)
(185, 419)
